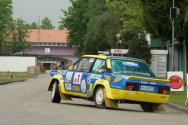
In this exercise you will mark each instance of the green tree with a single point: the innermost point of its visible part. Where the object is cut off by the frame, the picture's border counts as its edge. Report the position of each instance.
(19, 43)
(75, 20)
(139, 48)
(5, 20)
(130, 14)
(157, 19)
(102, 26)
(46, 24)
(33, 25)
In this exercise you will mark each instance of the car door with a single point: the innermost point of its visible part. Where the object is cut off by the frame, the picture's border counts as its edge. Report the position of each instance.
(76, 80)
(97, 71)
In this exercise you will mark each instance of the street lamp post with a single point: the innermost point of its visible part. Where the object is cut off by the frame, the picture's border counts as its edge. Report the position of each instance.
(173, 30)
(118, 41)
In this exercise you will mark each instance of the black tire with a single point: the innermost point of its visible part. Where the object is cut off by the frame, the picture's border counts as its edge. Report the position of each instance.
(99, 97)
(147, 107)
(55, 96)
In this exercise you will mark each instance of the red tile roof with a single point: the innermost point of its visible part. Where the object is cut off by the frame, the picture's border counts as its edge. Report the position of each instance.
(47, 36)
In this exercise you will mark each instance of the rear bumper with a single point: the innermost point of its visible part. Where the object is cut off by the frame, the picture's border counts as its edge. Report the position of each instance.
(116, 94)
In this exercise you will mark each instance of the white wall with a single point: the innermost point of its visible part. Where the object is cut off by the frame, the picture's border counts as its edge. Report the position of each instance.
(159, 63)
(16, 63)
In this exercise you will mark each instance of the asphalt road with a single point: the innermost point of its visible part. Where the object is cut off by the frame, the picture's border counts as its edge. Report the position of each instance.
(28, 103)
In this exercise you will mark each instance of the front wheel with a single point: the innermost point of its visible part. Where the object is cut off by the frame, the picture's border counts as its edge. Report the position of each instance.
(99, 98)
(55, 96)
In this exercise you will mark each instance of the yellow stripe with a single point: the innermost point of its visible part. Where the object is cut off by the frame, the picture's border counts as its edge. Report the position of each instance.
(148, 79)
(95, 56)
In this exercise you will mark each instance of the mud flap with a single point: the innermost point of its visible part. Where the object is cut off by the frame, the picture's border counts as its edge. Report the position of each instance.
(111, 103)
(63, 96)
(158, 107)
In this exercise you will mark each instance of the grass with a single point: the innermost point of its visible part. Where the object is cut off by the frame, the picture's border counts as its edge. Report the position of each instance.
(178, 98)
(13, 76)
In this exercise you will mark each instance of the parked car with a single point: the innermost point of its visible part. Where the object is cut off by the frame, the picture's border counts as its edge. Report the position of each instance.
(109, 80)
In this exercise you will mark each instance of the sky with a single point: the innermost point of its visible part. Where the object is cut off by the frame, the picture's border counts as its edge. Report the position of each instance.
(31, 10)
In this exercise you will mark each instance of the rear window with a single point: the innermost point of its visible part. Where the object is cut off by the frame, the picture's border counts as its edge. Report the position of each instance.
(131, 67)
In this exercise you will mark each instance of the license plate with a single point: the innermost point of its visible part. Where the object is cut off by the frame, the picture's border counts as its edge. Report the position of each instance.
(147, 88)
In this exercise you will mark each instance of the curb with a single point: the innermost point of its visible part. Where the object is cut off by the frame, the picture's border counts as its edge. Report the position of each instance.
(12, 82)
(178, 107)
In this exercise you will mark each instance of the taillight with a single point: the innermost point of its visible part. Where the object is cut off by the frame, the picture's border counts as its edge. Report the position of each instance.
(131, 86)
(164, 90)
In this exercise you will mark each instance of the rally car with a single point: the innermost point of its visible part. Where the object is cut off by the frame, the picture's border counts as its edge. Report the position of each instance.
(109, 80)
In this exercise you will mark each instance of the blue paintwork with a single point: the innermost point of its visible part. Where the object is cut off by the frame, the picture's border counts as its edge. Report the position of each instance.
(53, 72)
(71, 77)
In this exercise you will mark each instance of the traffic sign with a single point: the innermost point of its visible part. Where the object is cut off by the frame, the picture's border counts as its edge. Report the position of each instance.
(176, 82)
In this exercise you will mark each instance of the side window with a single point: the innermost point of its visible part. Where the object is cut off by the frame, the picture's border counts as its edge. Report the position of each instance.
(85, 64)
(75, 66)
(99, 67)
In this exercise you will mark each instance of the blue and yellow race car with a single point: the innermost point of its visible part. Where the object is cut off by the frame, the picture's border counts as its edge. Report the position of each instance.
(109, 80)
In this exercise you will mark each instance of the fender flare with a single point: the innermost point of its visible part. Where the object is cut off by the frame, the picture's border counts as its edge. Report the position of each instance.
(106, 86)
(57, 78)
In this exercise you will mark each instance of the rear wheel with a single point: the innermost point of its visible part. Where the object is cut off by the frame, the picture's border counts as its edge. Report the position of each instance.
(147, 107)
(99, 98)
(55, 96)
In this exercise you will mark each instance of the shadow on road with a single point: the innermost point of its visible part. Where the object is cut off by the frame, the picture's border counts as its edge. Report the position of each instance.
(93, 106)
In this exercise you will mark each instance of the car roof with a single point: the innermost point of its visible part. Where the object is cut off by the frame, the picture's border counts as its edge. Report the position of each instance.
(114, 57)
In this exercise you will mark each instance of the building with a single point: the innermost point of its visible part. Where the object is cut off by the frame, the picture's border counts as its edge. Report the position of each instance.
(50, 46)
(178, 55)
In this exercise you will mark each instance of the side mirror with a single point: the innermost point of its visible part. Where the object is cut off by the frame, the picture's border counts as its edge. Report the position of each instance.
(70, 67)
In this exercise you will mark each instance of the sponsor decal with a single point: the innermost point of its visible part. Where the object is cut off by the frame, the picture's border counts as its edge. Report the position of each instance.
(117, 79)
(62, 72)
(130, 94)
(77, 78)
(135, 64)
(95, 76)
(151, 83)
(108, 78)
(83, 86)
(76, 88)
(68, 77)
(67, 86)
(144, 82)
(115, 86)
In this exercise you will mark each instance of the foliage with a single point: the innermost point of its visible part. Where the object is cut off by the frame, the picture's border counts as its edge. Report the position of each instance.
(101, 28)
(17, 42)
(157, 19)
(75, 20)
(5, 20)
(33, 25)
(91, 26)
(139, 48)
(130, 15)
(46, 24)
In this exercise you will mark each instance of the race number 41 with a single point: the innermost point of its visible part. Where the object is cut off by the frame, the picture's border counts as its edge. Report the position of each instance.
(77, 78)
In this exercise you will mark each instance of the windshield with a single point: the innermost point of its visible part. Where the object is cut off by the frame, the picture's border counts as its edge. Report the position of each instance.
(130, 67)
